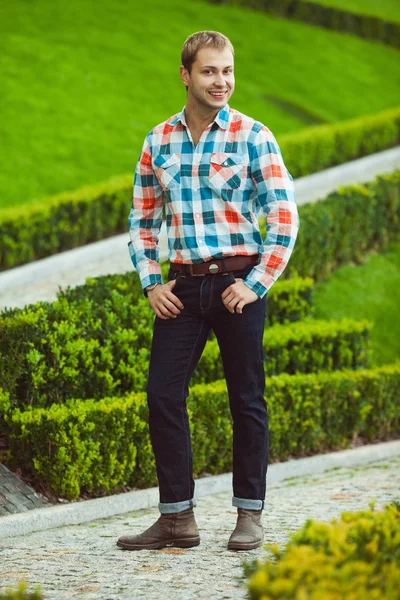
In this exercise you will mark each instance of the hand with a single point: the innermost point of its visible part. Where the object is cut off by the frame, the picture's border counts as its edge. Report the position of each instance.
(164, 303)
(237, 295)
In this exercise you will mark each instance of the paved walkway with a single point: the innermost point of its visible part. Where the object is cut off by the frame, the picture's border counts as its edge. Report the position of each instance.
(82, 561)
(41, 279)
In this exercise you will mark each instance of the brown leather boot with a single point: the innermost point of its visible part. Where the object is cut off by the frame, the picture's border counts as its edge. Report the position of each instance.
(175, 529)
(248, 533)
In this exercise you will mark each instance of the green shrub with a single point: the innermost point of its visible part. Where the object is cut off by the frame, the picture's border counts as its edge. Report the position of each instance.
(99, 446)
(330, 17)
(95, 340)
(21, 593)
(346, 225)
(72, 219)
(49, 353)
(89, 445)
(354, 558)
(319, 147)
(288, 300)
(307, 346)
(64, 221)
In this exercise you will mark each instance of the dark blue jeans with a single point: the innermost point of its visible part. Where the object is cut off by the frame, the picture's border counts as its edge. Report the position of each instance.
(176, 349)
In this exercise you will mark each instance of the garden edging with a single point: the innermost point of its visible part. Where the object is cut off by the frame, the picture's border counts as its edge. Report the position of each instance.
(73, 513)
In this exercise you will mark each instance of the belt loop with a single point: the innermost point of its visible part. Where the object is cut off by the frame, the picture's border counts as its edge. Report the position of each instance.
(223, 265)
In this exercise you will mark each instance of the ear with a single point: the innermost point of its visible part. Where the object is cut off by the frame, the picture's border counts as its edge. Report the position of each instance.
(184, 73)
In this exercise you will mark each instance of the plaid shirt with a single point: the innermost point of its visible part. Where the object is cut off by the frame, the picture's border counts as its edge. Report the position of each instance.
(213, 194)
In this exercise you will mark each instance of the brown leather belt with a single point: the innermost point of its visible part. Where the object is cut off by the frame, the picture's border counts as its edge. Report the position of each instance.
(216, 265)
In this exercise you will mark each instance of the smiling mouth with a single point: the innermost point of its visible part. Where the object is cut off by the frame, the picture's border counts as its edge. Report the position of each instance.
(218, 95)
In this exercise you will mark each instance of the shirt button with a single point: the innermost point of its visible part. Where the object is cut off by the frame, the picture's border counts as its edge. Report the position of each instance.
(201, 241)
(197, 215)
(196, 189)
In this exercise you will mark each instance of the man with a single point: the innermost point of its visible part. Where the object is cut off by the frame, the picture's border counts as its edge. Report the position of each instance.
(216, 170)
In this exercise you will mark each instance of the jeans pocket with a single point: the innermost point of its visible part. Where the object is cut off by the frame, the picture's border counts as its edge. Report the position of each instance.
(175, 275)
(243, 273)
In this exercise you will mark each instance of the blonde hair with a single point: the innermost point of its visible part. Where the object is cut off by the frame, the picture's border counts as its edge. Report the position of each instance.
(199, 40)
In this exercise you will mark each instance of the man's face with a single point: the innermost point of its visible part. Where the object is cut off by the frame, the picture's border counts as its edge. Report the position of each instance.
(211, 81)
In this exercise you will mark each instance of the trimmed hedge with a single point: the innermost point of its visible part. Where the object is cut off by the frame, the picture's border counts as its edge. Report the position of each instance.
(329, 17)
(305, 347)
(95, 340)
(76, 218)
(356, 557)
(49, 353)
(64, 221)
(99, 446)
(322, 146)
(346, 225)
(288, 301)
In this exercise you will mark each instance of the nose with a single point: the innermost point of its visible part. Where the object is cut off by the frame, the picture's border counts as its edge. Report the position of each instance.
(220, 80)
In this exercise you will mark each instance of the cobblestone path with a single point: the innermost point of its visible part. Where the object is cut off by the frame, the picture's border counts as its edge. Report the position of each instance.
(82, 561)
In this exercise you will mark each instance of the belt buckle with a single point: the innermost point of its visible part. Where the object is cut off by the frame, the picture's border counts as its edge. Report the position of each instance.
(213, 268)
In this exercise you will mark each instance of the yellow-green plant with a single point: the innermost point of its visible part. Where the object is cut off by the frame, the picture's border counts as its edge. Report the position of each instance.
(21, 593)
(354, 558)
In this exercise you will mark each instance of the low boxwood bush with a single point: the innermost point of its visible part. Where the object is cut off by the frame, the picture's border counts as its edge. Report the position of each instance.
(355, 557)
(330, 17)
(72, 219)
(288, 300)
(64, 221)
(99, 446)
(95, 340)
(307, 346)
(21, 593)
(346, 225)
(51, 353)
(318, 147)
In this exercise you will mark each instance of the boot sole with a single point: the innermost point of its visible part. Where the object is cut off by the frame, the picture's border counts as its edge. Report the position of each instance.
(182, 543)
(238, 547)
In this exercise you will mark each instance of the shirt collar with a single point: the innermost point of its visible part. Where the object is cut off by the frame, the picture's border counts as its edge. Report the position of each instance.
(222, 118)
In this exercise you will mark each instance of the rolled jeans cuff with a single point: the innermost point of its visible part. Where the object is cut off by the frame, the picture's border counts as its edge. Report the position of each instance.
(166, 508)
(248, 504)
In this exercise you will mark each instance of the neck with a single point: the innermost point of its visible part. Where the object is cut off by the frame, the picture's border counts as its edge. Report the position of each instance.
(199, 117)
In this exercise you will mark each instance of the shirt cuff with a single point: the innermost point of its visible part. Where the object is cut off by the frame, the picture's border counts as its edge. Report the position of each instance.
(256, 287)
(150, 279)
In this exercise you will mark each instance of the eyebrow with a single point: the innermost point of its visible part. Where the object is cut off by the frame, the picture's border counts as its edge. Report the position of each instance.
(214, 67)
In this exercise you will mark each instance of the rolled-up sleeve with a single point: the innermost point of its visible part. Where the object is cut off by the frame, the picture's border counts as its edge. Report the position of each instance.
(145, 220)
(277, 199)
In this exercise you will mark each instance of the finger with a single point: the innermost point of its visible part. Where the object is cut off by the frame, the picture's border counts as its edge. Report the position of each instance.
(174, 299)
(166, 312)
(231, 305)
(227, 301)
(170, 306)
(239, 307)
(226, 292)
(159, 314)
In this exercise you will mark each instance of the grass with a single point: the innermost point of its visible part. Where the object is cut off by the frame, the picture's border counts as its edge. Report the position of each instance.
(83, 82)
(370, 291)
(389, 10)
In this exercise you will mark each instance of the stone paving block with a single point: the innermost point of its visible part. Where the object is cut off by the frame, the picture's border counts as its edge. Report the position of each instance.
(15, 495)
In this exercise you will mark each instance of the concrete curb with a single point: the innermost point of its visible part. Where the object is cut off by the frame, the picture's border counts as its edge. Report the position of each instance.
(40, 519)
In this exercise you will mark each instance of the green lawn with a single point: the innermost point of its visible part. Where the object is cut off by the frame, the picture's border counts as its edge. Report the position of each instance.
(83, 82)
(370, 291)
(389, 10)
